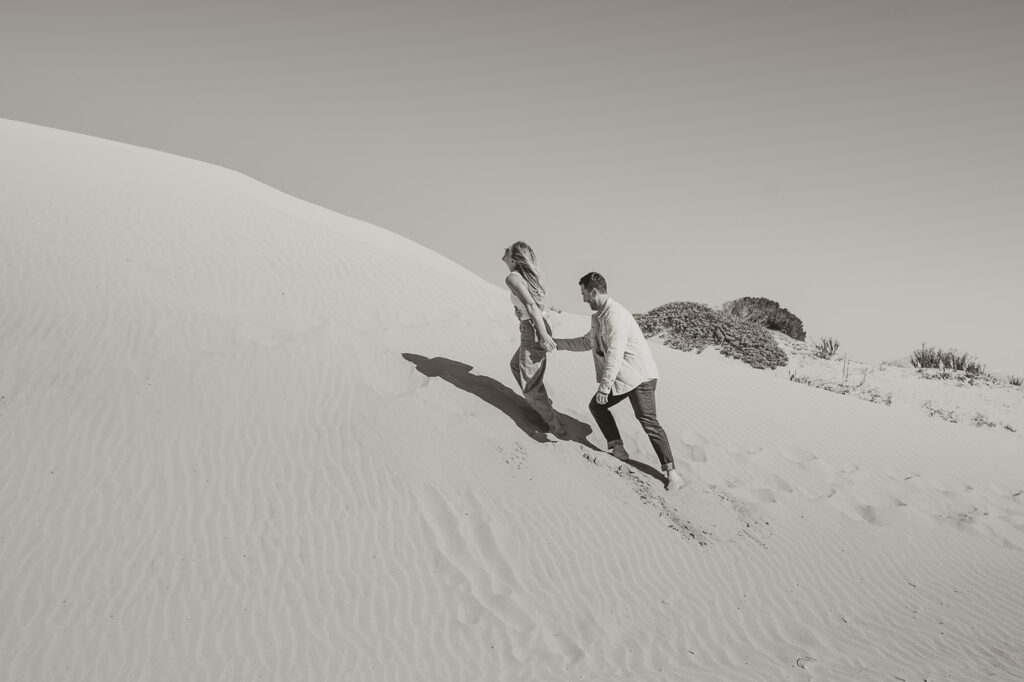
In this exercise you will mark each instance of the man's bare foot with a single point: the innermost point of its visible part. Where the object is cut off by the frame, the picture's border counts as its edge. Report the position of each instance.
(675, 481)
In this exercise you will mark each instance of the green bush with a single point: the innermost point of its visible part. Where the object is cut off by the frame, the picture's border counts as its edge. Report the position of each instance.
(767, 313)
(927, 357)
(693, 326)
(826, 348)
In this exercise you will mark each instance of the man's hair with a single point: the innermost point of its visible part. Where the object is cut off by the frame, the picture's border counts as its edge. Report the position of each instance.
(594, 280)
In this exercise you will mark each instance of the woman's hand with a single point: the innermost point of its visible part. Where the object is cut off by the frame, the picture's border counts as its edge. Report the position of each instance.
(548, 344)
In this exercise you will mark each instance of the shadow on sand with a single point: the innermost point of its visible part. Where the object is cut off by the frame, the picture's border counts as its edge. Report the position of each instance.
(647, 469)
(499, 395)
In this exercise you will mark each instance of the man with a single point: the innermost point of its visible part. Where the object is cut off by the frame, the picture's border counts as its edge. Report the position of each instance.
(625, 369)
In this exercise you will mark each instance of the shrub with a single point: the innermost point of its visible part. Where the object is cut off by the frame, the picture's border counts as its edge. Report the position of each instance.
(826, 348)
(875, 396)
(767, 313)
(1016, 381)
(693, 326)
(942, 413)
(981, 420)
(927, 357)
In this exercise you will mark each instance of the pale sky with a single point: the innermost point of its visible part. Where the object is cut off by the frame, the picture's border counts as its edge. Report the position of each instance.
(860, 162)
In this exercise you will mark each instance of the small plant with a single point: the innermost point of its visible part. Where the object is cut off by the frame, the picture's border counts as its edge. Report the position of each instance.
(926, 357)
(941, 413)
(981, 420)
(875, 396)
(799, 379)
(826, 348)
(1016, 381)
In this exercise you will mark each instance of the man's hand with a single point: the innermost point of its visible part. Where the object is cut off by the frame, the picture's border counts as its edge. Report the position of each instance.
(549, 344)
(602, 398)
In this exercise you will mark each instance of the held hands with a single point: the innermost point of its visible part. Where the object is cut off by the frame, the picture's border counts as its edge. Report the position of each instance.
(549, 344)
(602, 398)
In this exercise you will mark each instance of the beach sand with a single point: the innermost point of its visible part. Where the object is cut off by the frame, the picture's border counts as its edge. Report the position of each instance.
(243, 437)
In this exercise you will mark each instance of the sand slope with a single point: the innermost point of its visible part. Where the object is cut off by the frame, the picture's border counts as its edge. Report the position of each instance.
(242, 437)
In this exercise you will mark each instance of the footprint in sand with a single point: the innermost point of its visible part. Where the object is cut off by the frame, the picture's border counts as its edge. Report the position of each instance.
(514, 457)
(696, 453)
(763, 495)
(884, 497)
(698, 513)
(796, 455)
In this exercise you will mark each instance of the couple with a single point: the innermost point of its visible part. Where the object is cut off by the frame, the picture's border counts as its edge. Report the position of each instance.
(623, 361)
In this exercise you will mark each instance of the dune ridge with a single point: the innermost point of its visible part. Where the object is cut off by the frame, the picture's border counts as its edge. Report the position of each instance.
(244, 437)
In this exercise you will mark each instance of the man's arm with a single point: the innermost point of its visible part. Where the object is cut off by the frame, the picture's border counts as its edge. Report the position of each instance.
(580, 343)
(618, 336)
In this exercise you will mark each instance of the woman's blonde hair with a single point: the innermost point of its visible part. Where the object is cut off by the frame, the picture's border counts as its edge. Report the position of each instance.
(524, 261)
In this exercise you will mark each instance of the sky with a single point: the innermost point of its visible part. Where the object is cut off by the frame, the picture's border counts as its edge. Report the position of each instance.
(860, 162)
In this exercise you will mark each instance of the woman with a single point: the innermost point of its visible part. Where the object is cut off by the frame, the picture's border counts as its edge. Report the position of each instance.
(535, 340)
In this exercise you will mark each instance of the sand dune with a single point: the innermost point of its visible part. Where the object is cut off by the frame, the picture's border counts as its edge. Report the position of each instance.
(243, 437)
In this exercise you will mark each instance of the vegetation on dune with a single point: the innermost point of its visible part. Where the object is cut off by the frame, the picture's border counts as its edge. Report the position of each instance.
(767, 313)
(826, 348)
(694, 326)
(927, 357)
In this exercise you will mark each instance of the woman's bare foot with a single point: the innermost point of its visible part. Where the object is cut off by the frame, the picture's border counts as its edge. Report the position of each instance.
(557, 428)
